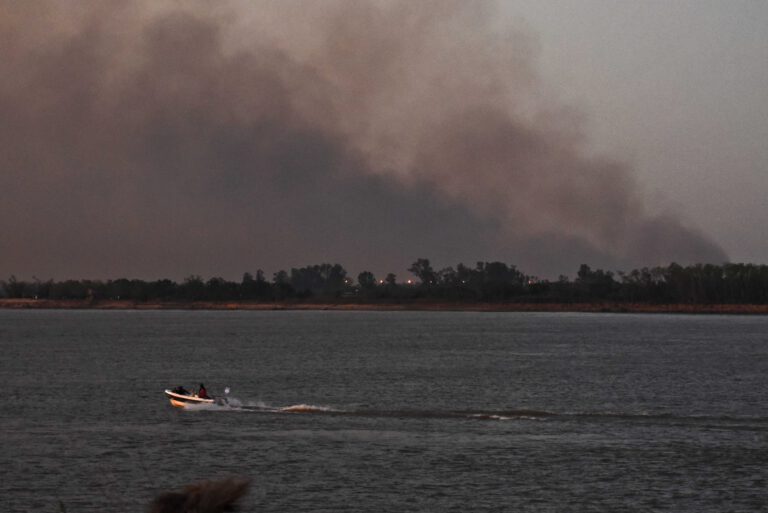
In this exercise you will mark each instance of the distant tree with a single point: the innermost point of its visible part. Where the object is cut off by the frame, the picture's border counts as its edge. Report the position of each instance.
(118, 289)
(248, 286)
(422, 269)
(219, 289)
(256, 288)
(595, 285)
(282, 285)
(43, 288)
(70, 289)
(193, 288)
(487, 281)
(139, 290)
(679, 288)
(163, 289)
(448, 277)
(366, 280)
(14, 288)
(640, 285)
(263, 288)
(335, 279)
(499, 281)
(324, 280)
(306, 281)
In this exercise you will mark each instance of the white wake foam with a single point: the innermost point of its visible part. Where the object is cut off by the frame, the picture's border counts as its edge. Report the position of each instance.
(306, 408)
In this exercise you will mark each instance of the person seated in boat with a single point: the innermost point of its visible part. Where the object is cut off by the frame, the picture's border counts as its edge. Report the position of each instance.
(202, 393)
(181, 390)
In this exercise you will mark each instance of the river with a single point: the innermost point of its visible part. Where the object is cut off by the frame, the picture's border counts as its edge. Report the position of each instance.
(386, 411)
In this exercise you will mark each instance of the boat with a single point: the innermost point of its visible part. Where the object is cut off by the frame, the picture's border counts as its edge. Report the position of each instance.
(180, 398)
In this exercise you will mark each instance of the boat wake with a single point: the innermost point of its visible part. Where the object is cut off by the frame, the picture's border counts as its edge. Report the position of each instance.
(308, 408)
(237, 405)
(232, 404)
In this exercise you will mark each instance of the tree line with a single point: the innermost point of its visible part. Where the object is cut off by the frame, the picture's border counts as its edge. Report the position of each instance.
(485, 282)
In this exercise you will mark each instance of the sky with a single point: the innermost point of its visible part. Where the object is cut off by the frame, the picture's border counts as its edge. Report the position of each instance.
(679, 89)
(164, 139)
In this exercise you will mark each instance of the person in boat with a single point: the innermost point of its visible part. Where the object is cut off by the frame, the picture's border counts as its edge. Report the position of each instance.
(181, 390)
(202, 393)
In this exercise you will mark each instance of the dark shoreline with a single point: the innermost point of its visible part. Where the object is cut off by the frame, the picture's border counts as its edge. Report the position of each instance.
(601, 307)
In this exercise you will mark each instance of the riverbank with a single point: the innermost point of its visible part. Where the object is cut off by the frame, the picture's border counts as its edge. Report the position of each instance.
(385, 306)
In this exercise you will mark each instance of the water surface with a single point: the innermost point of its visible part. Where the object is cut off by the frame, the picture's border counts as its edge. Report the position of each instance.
(387, 411)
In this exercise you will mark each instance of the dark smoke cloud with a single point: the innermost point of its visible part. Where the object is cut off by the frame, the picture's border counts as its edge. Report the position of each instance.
(168, 139)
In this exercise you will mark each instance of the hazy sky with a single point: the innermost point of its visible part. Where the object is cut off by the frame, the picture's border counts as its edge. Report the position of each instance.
(163, 139)
(680, 89)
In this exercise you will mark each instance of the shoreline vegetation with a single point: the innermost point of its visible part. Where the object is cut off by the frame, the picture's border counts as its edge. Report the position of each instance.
(416, 305)
(731, 288)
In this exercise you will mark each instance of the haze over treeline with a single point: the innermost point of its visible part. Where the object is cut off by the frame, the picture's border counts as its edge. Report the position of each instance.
(169, 139)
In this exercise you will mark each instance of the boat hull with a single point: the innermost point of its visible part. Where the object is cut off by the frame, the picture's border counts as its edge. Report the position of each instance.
(183, 401)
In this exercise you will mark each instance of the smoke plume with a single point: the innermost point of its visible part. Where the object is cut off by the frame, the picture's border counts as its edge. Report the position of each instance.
(163, 139)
